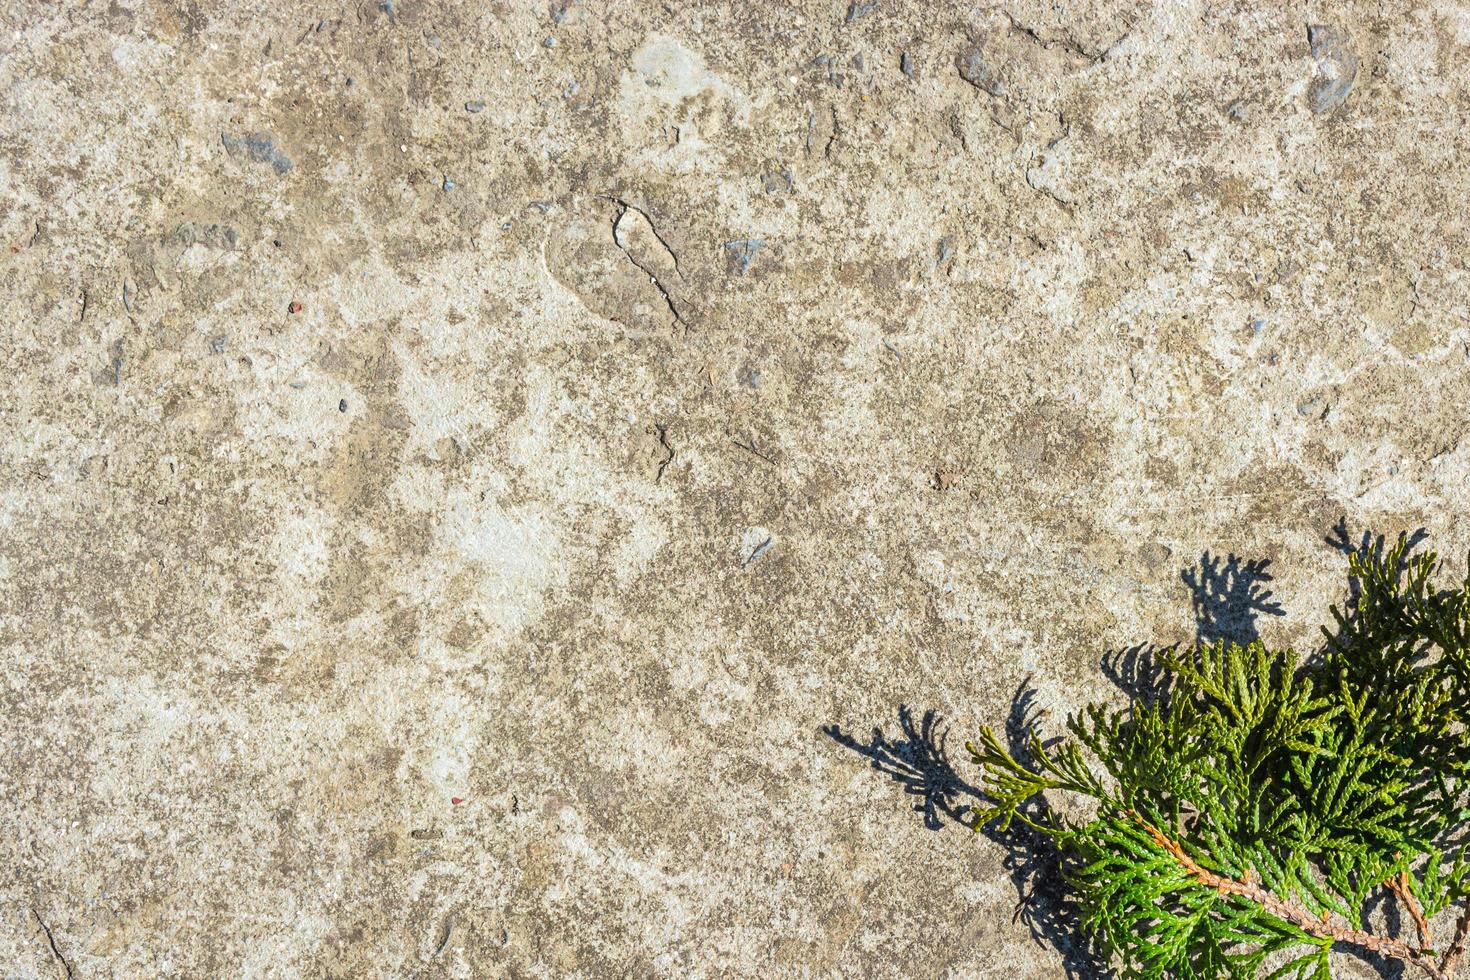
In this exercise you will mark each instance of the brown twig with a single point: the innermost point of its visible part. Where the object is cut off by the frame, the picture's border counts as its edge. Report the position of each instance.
(1321, 927)
(1451, 959)
(1404, 892)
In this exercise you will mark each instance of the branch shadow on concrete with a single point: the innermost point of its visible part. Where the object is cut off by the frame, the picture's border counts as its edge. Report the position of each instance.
(1229, 596)
(1367, 548)
(917, 758)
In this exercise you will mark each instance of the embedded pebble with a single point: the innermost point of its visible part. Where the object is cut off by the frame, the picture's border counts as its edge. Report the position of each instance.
(740, 253)
(1337, 67)
(977, 71)
(257, 148)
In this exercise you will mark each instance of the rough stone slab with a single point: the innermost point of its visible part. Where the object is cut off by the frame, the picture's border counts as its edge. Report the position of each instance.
(482, 483)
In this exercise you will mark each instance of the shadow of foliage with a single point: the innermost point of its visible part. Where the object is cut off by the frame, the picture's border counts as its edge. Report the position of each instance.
(1366, 548)
(1228, 597)
(1138, 671)
(917, 758)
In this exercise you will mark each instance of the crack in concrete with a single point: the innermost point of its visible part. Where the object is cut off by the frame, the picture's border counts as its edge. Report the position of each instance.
(653, 228)
(444, 942)
(1067, 42)
(750, 448)
(652, 276)
(663, 440)
(811, 132)
(1039, 161)
(760, 549)
(51, 940)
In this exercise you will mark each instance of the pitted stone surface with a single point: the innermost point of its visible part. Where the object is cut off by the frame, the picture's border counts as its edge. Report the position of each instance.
(459, 462)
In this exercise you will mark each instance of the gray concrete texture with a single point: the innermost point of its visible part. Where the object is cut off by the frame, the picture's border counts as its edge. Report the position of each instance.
(474, 476)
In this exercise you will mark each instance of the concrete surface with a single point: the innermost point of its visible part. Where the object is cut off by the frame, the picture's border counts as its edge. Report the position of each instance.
(576, 411)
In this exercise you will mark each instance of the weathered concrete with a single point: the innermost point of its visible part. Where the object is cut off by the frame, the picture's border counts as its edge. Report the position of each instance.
(574, 411)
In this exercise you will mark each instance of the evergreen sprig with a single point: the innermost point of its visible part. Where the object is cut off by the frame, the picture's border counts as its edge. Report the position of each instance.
(1242, 817)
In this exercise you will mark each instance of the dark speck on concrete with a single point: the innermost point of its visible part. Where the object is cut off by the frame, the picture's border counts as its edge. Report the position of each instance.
(475, 106)
(217, 345)
(257, 148)
(907, 66)
(1313, 405)
(760, 549)
(342, 405)
(739, 254)
(448, 184)
(944, 252)
(777, 179)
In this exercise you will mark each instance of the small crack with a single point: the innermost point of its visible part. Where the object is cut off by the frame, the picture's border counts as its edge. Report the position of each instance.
(1067, 42)
(663, 440)
(668, 298)
(678, 317)
(651, 227)
(1061, 202)
(760, 549)
(51, 939)
(750, 448)
(811, 132)
(444, 942)
(1066, 205)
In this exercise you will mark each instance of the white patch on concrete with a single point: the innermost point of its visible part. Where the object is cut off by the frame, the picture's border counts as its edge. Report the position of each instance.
(675, 108)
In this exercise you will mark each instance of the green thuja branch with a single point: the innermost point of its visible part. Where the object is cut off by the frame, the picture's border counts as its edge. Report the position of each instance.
(1238, 823)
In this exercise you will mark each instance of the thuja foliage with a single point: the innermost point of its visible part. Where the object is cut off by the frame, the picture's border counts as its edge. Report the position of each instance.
(1243, 819)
